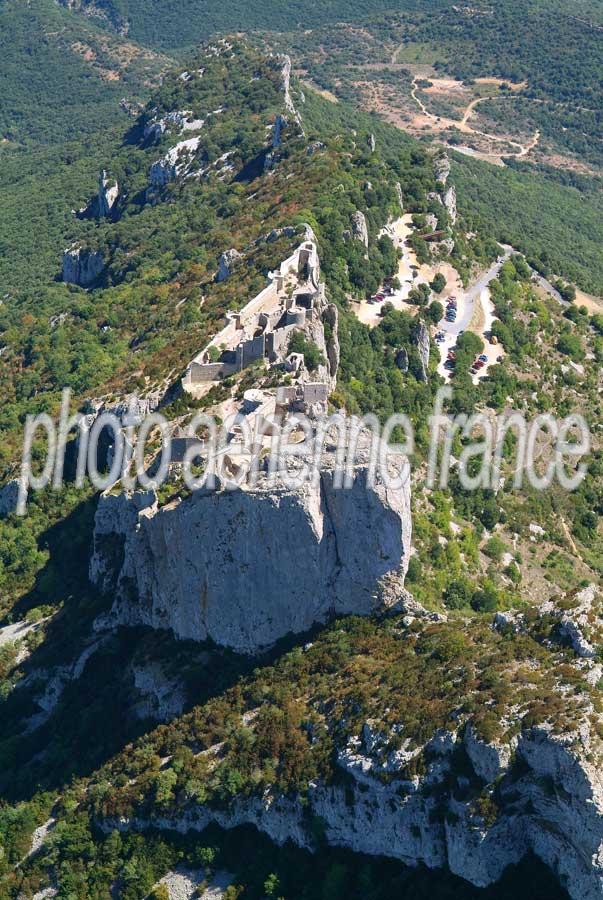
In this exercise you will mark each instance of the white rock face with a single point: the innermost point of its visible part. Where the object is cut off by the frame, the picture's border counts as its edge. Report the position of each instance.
(280, 123)
(247, 567)
(400, 196)
(574, 623)
(551, 805)
(161, 698)
(82, 266)
(422, 340)
(450, 203)
(174, 164)
(360, 228)
(108, 195)
(442, 169)
(227, 264)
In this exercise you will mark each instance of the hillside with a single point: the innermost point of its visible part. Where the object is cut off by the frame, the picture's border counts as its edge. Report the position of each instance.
(62, 77)
(274, 690)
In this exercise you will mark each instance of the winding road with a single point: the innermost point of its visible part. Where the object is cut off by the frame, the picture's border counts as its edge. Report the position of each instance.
(522, 150)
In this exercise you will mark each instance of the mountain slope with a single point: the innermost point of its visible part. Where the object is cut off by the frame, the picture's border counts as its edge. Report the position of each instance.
(61, 76)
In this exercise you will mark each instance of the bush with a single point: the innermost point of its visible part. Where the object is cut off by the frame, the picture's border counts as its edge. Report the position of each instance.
(495, 548)
(435, 311)
(438, 284)
(485, 599)
(458, 594)
(571, 345)
(415, 570)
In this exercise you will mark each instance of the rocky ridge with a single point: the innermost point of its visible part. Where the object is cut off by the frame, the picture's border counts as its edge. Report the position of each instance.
(475, 807)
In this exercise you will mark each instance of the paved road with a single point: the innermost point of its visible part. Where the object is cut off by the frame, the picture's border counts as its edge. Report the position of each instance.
(466, 307)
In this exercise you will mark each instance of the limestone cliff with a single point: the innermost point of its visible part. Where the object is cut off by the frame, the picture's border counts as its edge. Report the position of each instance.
(549, 801)
(246, 567)
(82, 266)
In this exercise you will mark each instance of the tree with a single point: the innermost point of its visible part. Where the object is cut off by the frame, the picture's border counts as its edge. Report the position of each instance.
(161, 892)
(458, 594)
(438, 284)
(435, 311)
(420, 295)
(485, 599)
(571, 345)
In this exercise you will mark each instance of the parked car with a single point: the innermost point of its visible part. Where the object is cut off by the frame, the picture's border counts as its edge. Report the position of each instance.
(483, 358)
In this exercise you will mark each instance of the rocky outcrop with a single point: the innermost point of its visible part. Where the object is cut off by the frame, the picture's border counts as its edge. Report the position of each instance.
(82, 266)
(280, 123)
(103, 204)
(108, 195)
(450, 203)
(360, 228)
(576, 622)
(331, 318)
(402, 361)
(400, 196)
(160, 698)
(442, 169)
(246, 567)
(476, 809)
(227, 264)
(579, 625)
(420, 336)
(174, 164)
(315, 147)
(9, 494)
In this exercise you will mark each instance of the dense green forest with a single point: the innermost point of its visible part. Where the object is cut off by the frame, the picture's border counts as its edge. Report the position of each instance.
(185, 22)
(558, 226)
(61, 77)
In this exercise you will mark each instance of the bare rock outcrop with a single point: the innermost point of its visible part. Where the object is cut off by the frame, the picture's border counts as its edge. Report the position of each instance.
(280, 123)
(9, 494)
(104, 203)
(108, 195)
(174, 164)
(421, 338)
(442, 169)
(246, 567)
(331, 318)
(450, 203)
(227, 264)
(82, 266)
(360, 228)
(400, 196)
(548, 801)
